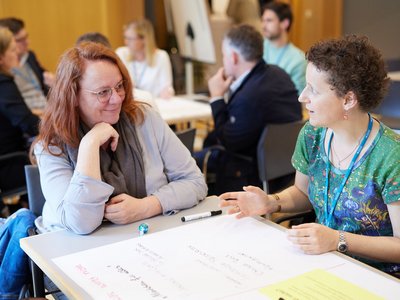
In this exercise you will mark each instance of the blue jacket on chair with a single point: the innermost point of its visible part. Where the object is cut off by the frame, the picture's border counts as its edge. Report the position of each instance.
(14, 264)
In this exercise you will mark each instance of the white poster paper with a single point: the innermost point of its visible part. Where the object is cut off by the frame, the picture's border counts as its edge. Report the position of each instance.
(219, 257)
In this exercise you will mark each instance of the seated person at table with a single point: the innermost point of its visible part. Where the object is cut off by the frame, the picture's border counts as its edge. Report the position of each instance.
(149, 67)
(348, 163)
(31, 78)
(102, 154)
(260, 94)
(18, 125)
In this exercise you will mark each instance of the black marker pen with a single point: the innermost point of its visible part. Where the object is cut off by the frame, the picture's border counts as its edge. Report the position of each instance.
(201, 215)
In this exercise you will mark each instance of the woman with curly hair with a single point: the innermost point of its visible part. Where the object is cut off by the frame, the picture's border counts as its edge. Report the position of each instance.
(347, 163)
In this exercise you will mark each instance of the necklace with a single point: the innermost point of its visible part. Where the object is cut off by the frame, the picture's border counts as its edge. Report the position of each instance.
(328, 212)
(339, 161)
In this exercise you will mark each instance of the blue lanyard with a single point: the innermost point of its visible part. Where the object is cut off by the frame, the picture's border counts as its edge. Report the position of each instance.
(138, 79)
(328, 216)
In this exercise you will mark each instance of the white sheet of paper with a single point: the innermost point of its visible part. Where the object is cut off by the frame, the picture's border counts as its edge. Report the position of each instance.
(218, 257)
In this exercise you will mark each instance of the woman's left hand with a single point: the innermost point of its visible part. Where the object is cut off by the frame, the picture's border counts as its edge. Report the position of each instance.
(313, 238)
(124, 209)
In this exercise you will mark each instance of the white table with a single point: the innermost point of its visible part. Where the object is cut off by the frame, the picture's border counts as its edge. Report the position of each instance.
(179, 110)
(43, 248)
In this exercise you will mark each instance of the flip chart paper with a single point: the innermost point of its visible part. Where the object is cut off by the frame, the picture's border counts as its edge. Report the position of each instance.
(211, 259)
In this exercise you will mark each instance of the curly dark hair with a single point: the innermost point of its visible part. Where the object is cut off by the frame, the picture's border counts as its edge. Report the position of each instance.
(352, 64)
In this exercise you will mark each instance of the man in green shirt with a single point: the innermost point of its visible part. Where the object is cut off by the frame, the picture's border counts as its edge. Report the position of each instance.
(277, 19)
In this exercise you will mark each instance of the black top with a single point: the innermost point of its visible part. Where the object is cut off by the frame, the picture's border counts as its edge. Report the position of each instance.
(16, 120)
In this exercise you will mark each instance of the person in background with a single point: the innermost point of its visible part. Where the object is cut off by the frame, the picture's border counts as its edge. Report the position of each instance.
(244, 12)
(149, 67)
(259, 94)
(277, 18)
(31, 78)
(15, 120)
(347, 162)
(95, 37)
(112, 158)
(18, 125)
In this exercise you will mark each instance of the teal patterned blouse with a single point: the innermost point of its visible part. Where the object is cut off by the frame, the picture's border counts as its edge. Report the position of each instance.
(373, 183)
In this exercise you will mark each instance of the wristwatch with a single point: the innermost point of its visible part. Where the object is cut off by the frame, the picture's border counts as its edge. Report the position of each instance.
(342, 245)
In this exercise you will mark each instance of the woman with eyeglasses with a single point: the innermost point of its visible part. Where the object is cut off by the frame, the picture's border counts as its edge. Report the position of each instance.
(347, 162)
(149, 67)
(103, 155)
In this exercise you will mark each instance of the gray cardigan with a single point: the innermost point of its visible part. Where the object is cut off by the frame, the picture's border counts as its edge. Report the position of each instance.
(77, 202)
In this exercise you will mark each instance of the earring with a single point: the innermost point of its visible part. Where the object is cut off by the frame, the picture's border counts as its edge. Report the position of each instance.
(345, 116)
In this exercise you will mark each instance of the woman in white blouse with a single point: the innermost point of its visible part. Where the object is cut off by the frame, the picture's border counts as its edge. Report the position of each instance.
(149, 67)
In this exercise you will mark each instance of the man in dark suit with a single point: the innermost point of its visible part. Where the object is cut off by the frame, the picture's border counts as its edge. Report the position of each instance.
(259, 94)
(32, 79)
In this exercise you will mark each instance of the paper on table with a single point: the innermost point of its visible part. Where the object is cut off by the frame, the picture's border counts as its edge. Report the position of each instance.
(217, 257)
(317, 285)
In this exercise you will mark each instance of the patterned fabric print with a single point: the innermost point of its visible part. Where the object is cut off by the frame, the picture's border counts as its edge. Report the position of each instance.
(373, 183)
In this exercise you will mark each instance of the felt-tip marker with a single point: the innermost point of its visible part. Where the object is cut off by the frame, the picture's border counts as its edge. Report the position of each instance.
(201, 215)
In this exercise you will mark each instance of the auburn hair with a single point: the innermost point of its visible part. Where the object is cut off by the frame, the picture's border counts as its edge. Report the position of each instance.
(60, 123)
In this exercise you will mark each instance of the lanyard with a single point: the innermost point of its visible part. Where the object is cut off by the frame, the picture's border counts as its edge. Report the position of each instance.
(138, 77)
(328, 216)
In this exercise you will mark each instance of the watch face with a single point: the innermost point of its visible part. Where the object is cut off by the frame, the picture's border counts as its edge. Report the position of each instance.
(342, 247)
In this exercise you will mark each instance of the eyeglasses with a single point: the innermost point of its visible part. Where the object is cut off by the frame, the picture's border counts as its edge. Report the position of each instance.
(104, 96)
(135, 38)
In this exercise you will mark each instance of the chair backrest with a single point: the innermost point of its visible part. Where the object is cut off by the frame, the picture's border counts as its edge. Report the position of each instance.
(18, 158)
(390, 106)
(187, 138)
(275, 150)
(35, 195)
(393, 64)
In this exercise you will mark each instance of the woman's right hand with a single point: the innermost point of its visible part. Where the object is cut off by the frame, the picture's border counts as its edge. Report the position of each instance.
(252, 202)
(102, 135)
